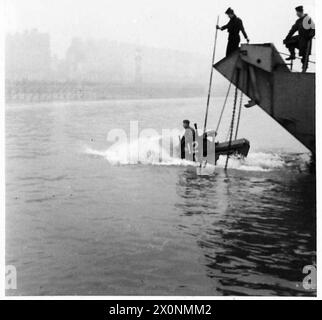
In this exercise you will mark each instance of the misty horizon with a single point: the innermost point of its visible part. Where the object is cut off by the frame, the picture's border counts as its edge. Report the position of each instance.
(167, 44)
(173, 25)
(29, 56)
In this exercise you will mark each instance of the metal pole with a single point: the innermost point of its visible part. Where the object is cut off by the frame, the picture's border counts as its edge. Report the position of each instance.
(306, 58)
(211, 73)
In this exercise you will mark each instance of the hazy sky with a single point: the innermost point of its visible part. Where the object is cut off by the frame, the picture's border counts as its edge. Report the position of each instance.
(177, 24)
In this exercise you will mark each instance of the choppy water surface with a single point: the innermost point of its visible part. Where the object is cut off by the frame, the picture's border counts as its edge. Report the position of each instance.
(81, 220)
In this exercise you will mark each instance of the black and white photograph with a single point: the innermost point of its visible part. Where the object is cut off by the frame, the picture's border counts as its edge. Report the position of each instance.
(160, 148)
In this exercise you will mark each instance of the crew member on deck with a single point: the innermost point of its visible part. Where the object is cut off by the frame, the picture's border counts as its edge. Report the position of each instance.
(302, 41)
(188, 142)
(234, 26)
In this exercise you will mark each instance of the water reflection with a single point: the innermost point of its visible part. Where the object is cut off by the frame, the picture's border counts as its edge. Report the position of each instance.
(256, 231)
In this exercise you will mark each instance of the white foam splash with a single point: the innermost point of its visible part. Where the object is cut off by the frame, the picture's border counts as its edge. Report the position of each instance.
(148, 151)
(143, 151)
(255, 161)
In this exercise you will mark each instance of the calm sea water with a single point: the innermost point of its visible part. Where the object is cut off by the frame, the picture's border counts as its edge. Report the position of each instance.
(80, 220)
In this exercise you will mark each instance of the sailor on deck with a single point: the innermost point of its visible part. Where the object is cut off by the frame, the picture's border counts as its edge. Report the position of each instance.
(188, 142)
(306, 31)
(234, 26)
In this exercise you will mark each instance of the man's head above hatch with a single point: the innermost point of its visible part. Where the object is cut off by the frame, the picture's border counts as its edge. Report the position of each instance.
(186, 124)
(299, 11)
(230, 12)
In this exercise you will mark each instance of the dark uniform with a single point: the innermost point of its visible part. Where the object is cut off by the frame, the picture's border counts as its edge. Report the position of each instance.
(187, 144)
(234, 26)
(300, 41)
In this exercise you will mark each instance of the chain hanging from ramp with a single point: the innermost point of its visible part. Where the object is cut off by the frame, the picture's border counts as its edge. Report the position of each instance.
(233, 117)
(239, 114)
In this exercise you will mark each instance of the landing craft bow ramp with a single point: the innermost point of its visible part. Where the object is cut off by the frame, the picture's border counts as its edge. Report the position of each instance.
(259, 71)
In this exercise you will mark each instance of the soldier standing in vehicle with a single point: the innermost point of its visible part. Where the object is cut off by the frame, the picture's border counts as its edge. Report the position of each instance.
(188, 142)
(234, 26)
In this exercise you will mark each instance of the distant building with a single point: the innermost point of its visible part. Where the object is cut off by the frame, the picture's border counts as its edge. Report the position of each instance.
(28, 56)
(95, 61)
(122, 63)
